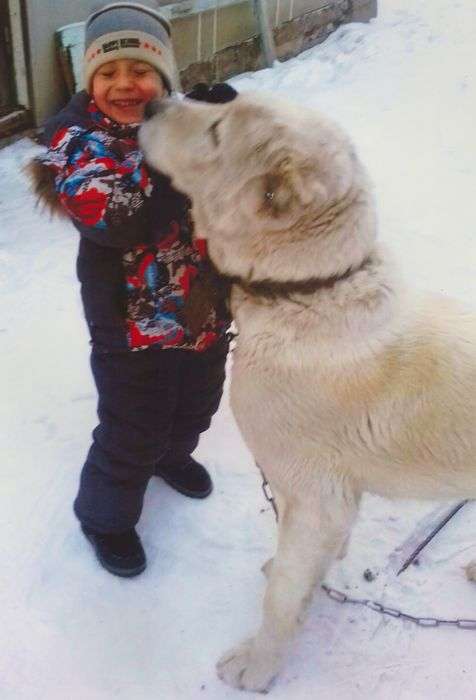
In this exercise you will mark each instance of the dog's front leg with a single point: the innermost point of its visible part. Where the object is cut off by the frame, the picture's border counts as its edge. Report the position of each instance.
(310, 535)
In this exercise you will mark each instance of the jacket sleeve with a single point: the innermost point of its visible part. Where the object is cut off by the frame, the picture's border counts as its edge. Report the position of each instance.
(105, 189)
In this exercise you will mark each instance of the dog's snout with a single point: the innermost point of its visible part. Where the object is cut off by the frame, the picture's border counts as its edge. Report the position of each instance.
(154, 107)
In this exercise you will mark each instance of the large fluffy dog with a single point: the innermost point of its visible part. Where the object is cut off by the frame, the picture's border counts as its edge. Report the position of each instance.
(342, 382)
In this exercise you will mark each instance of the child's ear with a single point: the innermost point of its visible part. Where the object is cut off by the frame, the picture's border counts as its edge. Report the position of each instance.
(42, 180)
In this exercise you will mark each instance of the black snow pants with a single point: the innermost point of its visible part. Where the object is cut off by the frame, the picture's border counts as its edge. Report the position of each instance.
(153, 405)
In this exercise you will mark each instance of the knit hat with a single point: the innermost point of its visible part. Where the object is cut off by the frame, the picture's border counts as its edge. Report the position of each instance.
(129, 30)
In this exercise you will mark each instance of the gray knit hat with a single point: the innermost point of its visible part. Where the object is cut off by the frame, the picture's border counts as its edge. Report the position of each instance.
(129, 30)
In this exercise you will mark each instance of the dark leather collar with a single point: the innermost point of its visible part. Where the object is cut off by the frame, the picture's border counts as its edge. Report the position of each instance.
(270, 289)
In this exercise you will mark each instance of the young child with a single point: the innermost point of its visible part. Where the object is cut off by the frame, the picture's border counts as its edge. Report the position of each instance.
(159, 374)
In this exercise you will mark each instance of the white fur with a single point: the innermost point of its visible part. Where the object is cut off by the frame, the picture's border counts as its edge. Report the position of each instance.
(363, 386)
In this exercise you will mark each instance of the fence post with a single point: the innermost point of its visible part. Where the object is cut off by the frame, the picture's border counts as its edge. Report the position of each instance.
(266, 32)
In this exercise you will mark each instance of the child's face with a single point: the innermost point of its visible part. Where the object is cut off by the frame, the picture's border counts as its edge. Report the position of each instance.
(122, 88)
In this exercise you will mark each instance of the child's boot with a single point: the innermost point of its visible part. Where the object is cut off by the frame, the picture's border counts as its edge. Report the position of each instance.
(187, 476)
(121, 553)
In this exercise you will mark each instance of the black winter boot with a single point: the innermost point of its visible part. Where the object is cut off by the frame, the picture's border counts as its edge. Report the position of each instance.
(189, 478)
(121, 553)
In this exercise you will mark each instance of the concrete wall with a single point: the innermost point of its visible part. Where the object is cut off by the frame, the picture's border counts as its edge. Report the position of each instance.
(223, 41)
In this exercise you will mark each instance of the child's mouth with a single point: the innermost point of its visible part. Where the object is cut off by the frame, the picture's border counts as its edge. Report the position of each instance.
(125, 104)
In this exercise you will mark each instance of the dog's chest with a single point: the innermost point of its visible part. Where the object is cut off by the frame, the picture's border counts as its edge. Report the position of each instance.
(272, 402)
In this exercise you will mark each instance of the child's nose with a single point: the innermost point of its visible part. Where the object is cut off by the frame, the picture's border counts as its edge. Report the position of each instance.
(124, 80)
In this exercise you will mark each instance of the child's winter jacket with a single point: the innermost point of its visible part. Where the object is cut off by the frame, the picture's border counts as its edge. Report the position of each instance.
(137, 262)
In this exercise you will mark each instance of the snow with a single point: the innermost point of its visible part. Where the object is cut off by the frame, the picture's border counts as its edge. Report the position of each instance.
(404, 87)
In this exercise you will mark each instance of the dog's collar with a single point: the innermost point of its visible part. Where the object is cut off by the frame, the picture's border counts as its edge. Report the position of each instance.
(270, 289)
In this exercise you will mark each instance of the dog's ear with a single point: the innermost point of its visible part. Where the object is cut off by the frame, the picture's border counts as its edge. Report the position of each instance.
(285, 187)
(42, 180)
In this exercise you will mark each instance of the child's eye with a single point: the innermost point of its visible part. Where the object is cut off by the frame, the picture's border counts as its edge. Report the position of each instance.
(106, 75)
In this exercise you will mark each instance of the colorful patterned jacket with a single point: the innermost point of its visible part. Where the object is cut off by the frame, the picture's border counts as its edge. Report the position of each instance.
(137, 262)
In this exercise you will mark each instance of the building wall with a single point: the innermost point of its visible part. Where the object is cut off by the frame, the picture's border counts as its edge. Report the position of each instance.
(224, 40)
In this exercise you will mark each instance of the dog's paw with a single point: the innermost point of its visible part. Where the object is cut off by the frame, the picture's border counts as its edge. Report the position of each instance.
(266, 568)
(470, 570)
(246, 668)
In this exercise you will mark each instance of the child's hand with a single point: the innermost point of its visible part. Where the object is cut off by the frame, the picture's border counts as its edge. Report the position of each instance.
(217, 94)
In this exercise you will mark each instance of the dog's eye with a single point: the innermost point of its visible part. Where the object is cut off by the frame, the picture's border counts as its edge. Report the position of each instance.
(213, 129)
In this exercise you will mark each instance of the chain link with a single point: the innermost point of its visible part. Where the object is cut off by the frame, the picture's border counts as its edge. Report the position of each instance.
(340, 597)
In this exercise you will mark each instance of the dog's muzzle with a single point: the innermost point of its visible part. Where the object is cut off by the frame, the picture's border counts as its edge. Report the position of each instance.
(156, 107)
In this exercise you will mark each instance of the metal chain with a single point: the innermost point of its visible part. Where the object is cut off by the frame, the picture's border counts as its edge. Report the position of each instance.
(340, 597)
(384, 610)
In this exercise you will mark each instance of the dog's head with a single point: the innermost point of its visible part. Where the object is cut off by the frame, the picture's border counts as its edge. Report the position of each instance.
(276, 188)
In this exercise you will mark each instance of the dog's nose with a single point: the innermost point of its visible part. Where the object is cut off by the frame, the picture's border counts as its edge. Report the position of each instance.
(154, 107)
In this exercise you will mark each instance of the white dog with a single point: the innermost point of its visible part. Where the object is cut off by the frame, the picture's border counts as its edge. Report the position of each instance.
(342, 382)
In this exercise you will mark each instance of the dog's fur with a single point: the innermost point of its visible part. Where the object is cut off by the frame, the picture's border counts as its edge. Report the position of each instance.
(342, 387)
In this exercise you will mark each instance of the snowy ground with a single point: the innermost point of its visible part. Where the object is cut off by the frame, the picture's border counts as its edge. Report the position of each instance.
(404, 86)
